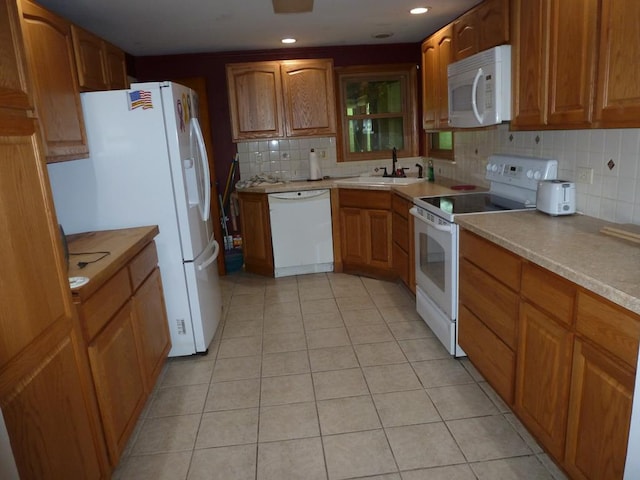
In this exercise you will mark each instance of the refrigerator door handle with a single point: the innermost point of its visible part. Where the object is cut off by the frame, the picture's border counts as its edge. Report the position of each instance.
(205, 205)
(212, 258)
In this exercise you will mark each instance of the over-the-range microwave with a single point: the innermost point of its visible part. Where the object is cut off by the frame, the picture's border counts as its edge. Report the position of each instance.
(480, 88)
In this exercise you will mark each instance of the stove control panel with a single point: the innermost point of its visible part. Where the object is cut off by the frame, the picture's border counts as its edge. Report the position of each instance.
(519, 171)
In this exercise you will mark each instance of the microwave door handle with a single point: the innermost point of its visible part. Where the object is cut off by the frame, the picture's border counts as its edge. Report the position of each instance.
(474, 96)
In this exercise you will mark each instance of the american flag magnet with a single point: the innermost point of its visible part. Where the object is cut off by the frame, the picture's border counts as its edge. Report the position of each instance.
(140, 98)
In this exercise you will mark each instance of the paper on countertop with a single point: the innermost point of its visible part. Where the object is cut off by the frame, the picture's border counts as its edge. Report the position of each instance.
(257, 180)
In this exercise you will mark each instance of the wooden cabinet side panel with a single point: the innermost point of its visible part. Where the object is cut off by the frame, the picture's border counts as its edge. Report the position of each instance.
(429, 83)
(13, 80)
(309, 98)
(26, 215)
(51, 61)
(618, 102)
(529, 83)
(543, 377)
(599, 415)
(572, 61)
(445, 57)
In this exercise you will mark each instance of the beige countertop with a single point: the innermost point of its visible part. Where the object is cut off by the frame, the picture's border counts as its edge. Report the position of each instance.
(419, 189)
(571, 246)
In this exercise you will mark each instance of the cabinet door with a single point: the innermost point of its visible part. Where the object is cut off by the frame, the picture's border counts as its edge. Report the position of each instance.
(116, 67)
(90, 61)
(255, 97)
(572, 62)
(118, 379)
(529, 47)
(14, 95)
(309, 99)
(52, 69)
(445, 56)
(352, 236)
(378, 238)
(543, 377)
(618, 102)
(45, 391)
(256, 231)
(151, 328)
(466, 35)
(493, 21)
(429, 83)
(599, 415)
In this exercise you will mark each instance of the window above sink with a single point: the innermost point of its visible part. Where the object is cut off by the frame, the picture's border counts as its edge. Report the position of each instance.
(377, 112)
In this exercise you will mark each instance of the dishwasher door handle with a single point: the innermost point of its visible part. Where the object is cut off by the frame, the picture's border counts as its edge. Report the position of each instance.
(302, 195)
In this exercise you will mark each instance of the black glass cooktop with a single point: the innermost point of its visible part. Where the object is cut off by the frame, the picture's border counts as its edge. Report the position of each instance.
(473, 203)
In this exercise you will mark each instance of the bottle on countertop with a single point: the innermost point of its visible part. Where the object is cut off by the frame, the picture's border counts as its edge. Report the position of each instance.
(430, 175)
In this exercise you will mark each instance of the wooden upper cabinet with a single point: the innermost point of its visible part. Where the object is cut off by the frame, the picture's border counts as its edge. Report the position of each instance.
(255, 100)
(276, 99)
(481, 28)
(50, 56)
(116, 67)
(100, 65)
(437, 54)
(572, 62)
(529, 45)
(309, 98)
(14, 95)
(618, 97)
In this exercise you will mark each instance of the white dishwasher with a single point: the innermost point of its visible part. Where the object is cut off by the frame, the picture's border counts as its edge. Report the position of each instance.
(301, 232)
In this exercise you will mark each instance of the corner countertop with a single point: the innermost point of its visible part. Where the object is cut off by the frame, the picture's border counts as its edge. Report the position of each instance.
(420, 189)
(122, 245)
(571, 246)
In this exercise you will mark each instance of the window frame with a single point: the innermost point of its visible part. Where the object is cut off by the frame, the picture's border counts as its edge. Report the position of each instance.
(437, 153)
(407, 74)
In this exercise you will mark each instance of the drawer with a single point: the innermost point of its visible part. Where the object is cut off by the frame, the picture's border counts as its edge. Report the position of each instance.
(503, 265)
(400, 231)
(98, 309)
(493, 303)
(369, 199)
(549, 291)
(142, 265)
(493, 359)
(613, 328)
(400, 205)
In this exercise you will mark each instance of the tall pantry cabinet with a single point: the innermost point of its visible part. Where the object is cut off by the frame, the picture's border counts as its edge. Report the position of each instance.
(48, 410)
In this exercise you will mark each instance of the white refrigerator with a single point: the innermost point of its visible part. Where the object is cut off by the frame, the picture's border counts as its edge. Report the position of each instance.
(148, 166)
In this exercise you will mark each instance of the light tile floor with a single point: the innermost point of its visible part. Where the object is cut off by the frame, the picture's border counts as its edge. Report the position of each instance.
(326, 376)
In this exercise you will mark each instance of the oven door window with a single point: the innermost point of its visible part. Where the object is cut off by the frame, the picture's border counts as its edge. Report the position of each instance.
(432, 261)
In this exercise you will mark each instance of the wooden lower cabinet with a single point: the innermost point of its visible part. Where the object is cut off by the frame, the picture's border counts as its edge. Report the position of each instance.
(543, 377)
(599, 415)
(118, 379)
(256, 233)
(366, 232)
(570, 375)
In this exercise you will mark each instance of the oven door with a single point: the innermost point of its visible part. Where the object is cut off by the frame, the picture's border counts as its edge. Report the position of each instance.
(436, 260)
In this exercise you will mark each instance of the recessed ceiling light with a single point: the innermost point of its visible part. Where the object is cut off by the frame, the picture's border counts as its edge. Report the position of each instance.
(288, 40)
(419, 10)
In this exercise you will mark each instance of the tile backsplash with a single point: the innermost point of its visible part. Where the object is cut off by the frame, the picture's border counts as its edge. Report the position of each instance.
(289, 159)
(614, 194)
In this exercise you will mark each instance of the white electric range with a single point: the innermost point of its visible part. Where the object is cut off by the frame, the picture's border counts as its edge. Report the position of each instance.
(513, 186)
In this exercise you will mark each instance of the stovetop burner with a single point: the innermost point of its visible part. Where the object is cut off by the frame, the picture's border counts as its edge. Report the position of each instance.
(473, 203)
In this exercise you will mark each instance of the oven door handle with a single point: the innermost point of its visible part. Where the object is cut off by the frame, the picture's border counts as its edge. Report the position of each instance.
(441, 228)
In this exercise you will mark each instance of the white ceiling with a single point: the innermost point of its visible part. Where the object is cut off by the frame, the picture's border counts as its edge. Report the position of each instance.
(157, 27)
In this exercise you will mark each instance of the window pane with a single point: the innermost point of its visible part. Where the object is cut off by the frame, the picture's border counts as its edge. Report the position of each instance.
(372, 135)
(371, 97)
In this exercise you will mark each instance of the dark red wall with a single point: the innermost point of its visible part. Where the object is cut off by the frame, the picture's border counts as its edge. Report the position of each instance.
(212, 67)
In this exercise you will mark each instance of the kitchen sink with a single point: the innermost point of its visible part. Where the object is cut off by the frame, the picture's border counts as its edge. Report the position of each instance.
(371, 180)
